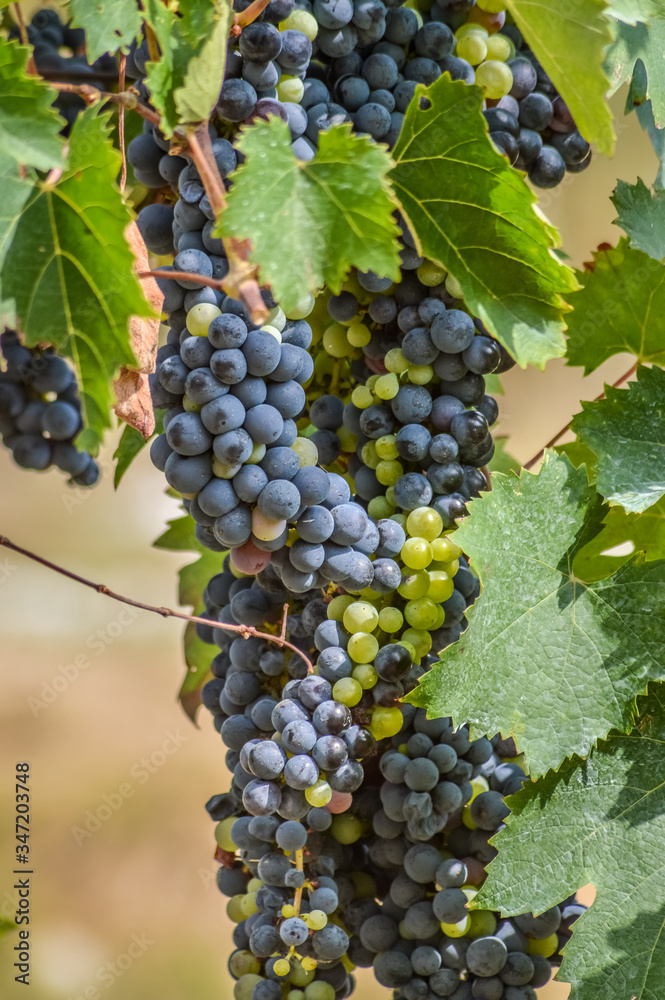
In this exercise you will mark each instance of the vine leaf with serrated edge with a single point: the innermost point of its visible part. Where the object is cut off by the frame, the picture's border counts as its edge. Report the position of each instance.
(641, 216)
(193, 578)
(69, 270)
(309, 222)
(600, 820)
(618, 309)
(547, 658)
(569, 40)
(480, 224)
(29, 125)
(109, 25)
(626, 432)
(185, 82)
(645, 43)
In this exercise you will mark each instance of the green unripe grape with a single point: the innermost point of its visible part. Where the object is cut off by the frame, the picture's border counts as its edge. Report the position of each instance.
(451, 567)
(360, 616)
(424, 522)
(414, 585)
(319, 990)
(388, 473)
(366, 675)
(420, 374)
(358, 335)
(399, 518)
(364, 884)
(369, 455)
(453, 287)
(421, 613)
(483, 924)
(479, 784)
(500, 48)
(390, 620)
(255, 884)
(544, 946)
(362, 647)
(273, 331)
(258, 454)
(385, 722)
(223, 834)
(387, 386)
(302, 975)
(265, 528)
(471, 27)
(362, 397)
(282, 967)
(431, 274)
(295, 995)
(306, 451)
(395, 361)
(276, 318)
(189, 406)
(346, 829)
(234, 909)
(495, 78)
(440, 617)
(457, 930)
(222, 470)
(440, 586)
(404, 932)
(411, 650)
(379, 507)
(200, 317)
(416, 552)
(319, 794)
(347, 691)
(419, 639)
(290, 88)
(390, 497)
(386, 447)
(371, 382)
(347, 440)
(249, 904)
(472, 47)
(444, 549)
(302, 308)
(245, 985)
(301, 20)
(338, 606)
(335, 342)
(316, 920)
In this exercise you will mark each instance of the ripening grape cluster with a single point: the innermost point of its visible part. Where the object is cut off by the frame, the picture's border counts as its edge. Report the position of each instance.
(356, 830)
(40, 411)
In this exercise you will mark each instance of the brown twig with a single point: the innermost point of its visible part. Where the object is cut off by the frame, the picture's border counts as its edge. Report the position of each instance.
(23, 31)
(125, 99)
(121, 122)
(282, 633)
(559, 434)
(250, 13)
(245, 630)
(215, 283)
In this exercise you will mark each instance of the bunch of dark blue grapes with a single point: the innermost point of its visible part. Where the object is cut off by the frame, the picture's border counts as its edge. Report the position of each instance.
(40, 411)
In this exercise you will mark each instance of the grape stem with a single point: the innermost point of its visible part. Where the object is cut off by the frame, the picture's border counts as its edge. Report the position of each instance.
(125, 98)
(297, 897)
(250, 14)
(559, 434)
(18, 14)
(244, 630)
(121, 123)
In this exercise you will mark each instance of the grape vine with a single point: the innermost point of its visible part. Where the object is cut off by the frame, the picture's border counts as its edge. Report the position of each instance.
(294, 246)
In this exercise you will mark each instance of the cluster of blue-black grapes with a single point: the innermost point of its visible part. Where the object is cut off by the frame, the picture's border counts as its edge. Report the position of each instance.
(59, 53)
(355, 832)
(40, 411)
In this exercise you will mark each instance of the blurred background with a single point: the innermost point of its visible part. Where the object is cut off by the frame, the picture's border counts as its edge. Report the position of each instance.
(91, 687)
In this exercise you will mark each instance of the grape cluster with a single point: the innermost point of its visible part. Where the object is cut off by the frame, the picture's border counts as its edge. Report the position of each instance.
(59, 54)
(40, 411)
(356, 830)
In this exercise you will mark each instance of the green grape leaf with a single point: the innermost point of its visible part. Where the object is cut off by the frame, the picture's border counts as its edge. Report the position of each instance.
(109, 25)
(641, 216)
(578, 454)
(547, 658)
(570, 41)
(15, 192)
(618, 309)
(193, 578)
(600, 820)
(639, 532)
(70, 271)
(130, 444)
(640, 42)
(502, 460)
(312, 221)
(185, 82)
(626, 431)
(480, 224)
(632, 11)
(29, 126)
